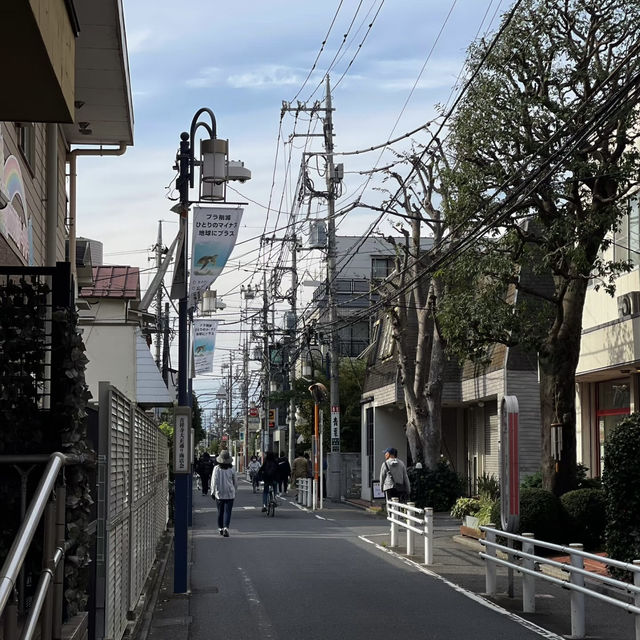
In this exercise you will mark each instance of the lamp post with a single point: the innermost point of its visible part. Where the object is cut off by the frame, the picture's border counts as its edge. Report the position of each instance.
(215, 170)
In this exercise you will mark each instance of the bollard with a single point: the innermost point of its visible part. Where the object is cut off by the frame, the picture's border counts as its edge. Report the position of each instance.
(410, 536)
(577, 598)
(309, 497)
(528, 581)
(490, 580)
(636, 598)
(428, 535)
(394, 527)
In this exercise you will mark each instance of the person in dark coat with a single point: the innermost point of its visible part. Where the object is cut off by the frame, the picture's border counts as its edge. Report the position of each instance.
(205, 469)
(269, 475)
(284, 471)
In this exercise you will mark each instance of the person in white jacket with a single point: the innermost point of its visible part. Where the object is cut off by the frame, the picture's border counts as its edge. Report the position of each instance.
(223, 489)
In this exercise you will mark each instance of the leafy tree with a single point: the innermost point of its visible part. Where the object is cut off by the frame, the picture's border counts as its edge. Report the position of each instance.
(415, 293)
(351, 373)
(544, 142)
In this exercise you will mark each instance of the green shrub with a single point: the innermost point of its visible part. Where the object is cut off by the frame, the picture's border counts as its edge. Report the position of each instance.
(438, 488)
(489, 512)
(621, 481)
(541, 513)
(488, 487)
(534, 481)
(465, 507)
(586, 516)
(584, 482)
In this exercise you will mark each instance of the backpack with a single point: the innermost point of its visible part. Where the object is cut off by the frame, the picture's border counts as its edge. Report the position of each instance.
(400, 487)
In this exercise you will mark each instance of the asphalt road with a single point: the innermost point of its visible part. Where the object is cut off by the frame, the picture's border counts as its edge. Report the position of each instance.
(310, 576)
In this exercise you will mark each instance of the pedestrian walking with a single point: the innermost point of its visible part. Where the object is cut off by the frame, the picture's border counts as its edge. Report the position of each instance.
(394, 480)
(284, 471)
(223, 490)
(298, 470)
(269, 475)
(204, 469)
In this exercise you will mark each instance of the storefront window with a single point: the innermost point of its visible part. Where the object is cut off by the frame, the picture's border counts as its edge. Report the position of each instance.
(613, 403)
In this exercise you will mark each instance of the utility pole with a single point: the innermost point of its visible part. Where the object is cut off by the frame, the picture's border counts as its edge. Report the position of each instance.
(245, 399)
(165, 345)
(159, 248)
(292, 359)
(334, 347)
(266, 363)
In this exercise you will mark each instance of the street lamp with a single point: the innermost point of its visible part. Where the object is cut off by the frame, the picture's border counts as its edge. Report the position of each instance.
(215, 171)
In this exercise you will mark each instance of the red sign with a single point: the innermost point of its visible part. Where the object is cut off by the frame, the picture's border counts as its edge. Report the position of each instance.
(253, 412)
(225, 438)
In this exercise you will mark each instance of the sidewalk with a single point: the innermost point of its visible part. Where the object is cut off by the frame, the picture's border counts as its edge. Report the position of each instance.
(166, 616)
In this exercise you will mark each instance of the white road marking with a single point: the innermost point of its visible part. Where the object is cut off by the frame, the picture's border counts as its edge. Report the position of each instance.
(473, 596)
(265, 627)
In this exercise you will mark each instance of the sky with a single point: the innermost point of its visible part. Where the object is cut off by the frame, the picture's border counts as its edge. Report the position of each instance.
(390, 62)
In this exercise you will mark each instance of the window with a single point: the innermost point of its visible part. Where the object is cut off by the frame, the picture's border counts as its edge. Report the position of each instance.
(370, 424)
(613, 400)
(381, 268)
(27, 142)
(386, 340)
(626, 239)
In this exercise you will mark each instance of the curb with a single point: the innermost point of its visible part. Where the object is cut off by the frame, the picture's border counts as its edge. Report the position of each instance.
(139, 627)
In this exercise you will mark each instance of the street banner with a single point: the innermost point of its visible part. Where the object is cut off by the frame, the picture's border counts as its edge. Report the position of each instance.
(215, 231)
(204, 344)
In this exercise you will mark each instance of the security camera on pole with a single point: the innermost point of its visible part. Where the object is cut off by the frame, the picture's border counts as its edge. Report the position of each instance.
(215, 171)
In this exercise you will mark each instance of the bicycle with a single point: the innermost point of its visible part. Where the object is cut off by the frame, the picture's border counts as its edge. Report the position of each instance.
(271, 501)
(255, 483)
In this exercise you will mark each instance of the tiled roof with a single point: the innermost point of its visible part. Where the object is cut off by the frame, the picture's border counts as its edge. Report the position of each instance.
(113, 282)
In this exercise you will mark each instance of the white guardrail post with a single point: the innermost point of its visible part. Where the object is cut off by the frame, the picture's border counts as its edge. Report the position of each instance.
(528, 581)
(394, 527)
(490, 579)
(636, 598)
(428, 535)
(577, 598)
(410, 536)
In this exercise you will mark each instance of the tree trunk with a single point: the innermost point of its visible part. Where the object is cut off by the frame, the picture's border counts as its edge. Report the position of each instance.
(558, 360)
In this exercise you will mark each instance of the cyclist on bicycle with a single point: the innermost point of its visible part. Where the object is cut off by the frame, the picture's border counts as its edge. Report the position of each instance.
(269, 474)
(254, 467)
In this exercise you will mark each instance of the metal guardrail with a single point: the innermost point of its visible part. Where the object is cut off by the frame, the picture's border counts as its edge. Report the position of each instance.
(415, 521)
(529, 565)
(305, 492)
(48, 501)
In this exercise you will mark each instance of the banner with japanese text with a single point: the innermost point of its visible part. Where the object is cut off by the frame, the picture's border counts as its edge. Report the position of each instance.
(215, 231)
(204, 344)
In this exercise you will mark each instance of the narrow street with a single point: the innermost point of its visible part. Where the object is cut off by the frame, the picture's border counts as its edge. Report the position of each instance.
(306, 575)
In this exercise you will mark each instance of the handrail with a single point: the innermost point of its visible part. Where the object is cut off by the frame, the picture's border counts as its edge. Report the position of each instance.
(575, 568)
(18, 551)
(404, 513)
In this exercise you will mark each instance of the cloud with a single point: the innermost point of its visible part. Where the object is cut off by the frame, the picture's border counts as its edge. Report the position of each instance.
(266, 77)
(259, 77)
(207, 77)
(138, 39)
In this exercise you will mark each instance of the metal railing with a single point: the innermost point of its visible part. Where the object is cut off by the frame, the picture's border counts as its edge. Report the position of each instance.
(415, 521)
(528, 564)
(305, 492)
(48, 501)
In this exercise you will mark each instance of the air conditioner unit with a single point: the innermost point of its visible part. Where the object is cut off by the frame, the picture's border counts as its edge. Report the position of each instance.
(628, 304)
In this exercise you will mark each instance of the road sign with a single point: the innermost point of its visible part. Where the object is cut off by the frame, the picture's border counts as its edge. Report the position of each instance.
(335, 428)
(182, 441)
(272, 418)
